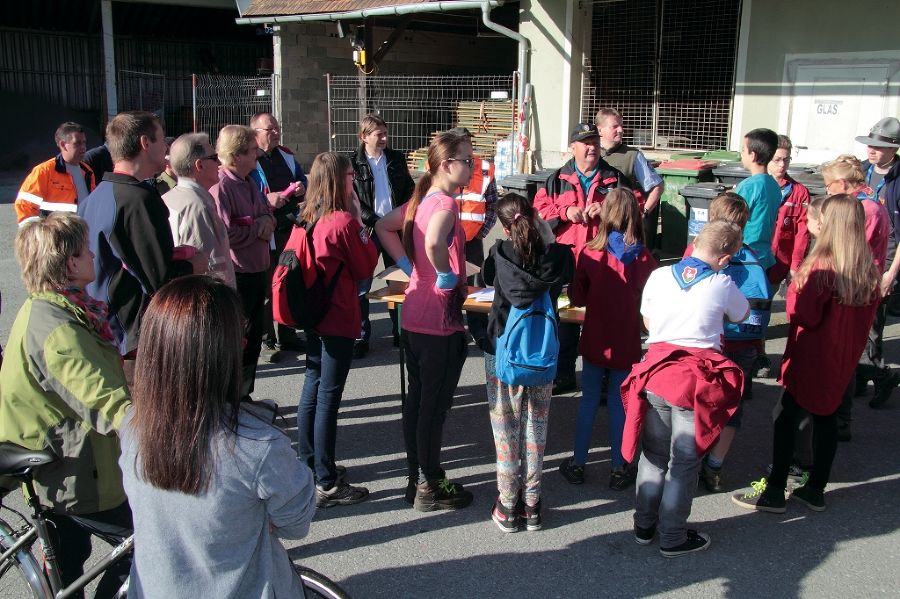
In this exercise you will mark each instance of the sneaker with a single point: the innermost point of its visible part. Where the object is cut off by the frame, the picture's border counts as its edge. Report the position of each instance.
(572, 472)
(506, 519)
(622, 477)
(757, 499)
(644, 536)
(531, 515)
(811, 498)
(763, 367)
(695, 541)
(564, 384)
(441, 495)
(795, 473)
(711, 478)
(340, 494)
(884, 389)
(270, 353)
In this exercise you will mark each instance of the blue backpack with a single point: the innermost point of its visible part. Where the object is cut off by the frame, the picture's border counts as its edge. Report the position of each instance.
(528, 350)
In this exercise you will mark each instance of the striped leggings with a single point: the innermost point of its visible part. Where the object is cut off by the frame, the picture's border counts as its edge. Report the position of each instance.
(519, 417)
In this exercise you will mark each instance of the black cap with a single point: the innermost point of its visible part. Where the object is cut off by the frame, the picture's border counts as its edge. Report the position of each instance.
(583, 131)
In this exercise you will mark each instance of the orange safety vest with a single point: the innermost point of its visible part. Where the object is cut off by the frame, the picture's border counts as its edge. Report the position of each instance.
(471, 201)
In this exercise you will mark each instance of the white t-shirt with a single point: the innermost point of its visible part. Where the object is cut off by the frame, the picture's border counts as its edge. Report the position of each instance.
(78, 178)
(692, 317)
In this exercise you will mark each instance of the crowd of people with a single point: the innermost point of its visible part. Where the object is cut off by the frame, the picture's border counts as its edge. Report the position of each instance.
(135, 354)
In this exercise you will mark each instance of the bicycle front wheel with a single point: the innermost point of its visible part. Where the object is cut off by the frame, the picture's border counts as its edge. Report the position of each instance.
(317, 585)
(20, 575)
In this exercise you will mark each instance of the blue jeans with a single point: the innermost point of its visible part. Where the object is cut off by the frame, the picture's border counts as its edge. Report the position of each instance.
(667, 471)
(327, 366)
(591, 378)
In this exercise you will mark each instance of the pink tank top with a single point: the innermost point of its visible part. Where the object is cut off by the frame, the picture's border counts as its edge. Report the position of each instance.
(427, 309)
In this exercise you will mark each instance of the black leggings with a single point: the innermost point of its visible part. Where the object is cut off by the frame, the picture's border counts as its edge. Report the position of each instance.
(824, 445)
(434, 364)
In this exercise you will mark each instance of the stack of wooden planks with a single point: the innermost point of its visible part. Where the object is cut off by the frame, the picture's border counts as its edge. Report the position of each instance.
(488, 121)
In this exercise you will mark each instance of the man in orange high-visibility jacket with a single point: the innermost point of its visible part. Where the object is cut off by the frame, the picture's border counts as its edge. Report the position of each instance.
(477, 216)
(60, 183)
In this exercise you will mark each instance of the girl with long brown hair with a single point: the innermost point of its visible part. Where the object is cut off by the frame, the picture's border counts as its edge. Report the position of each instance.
(343, 250)
(199, 465)
(831, 304)
(432, 331)
(612, 270)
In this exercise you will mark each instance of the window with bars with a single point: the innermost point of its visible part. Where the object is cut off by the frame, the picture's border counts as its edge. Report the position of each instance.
(667, 66)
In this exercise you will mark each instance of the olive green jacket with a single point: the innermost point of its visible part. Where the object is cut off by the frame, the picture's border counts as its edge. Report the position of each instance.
(62, 389)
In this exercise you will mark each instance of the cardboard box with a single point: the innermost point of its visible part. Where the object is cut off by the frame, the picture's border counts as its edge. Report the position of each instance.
(393, 273)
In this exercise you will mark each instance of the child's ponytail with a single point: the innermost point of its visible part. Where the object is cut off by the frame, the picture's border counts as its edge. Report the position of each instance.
(517, 216)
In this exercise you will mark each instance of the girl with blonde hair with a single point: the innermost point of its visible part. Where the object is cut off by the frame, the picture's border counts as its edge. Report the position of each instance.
(831, 303)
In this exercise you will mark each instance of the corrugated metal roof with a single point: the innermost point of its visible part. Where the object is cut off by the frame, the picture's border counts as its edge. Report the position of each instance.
(259, 8)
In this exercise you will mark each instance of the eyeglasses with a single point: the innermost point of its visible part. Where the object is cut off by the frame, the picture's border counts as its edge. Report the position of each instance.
(467, 161)
(782, 160)
(268, 130)
(214, 157)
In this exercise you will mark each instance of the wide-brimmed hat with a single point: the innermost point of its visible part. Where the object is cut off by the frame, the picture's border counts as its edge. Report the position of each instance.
(885, 134)
(583, 131)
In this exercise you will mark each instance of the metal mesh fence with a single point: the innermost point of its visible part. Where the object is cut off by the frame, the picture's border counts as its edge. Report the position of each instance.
(416, 107)
(221, 100)
(667, 66)
(142, 91)
(621, 72)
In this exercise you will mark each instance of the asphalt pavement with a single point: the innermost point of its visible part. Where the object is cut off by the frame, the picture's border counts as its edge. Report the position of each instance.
(383, 548)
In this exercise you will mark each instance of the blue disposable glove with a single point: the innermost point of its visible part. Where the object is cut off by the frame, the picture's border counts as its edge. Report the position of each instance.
(446, 280)
(404, 265)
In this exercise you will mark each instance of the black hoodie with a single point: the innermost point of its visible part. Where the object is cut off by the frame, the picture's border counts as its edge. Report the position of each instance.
(515, 286)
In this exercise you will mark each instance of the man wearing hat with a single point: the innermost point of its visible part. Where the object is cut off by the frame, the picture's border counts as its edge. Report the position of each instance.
(570, 202)
(882, 169)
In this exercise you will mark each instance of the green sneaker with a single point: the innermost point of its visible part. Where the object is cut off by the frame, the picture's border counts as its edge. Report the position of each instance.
(756, 498)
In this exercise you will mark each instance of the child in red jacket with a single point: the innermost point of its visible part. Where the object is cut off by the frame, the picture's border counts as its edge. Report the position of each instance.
(831, 304)
(791, 239)
(343, 250)
(609, 278)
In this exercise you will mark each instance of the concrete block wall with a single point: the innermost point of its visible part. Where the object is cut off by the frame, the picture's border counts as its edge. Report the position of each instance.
(305, 52)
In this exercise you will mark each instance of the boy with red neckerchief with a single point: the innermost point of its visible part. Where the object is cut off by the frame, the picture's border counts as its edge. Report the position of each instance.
(678, 399)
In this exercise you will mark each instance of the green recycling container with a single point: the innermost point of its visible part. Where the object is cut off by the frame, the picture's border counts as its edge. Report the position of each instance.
(722, 156)
(687, 155)
(677, 174)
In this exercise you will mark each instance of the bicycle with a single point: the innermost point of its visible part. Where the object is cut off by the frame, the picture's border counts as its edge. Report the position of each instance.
(30, 578)
(22, 575)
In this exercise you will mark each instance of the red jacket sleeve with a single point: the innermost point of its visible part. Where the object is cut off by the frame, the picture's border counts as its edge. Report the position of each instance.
(801, 239)
(806, 306)
(545, 206)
